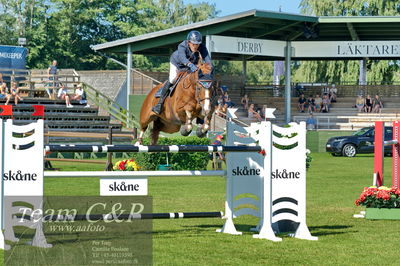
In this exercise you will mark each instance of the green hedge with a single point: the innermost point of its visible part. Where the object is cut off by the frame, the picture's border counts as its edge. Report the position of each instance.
(178, 161)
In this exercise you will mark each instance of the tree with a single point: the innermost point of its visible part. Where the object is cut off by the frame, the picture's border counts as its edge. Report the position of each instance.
(65, 29)
(381, 71)
(80, 25)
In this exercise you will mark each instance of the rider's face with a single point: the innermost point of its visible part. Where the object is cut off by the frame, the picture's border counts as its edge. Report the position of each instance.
(193, 47)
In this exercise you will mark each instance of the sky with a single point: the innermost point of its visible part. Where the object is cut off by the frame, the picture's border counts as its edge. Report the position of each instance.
(229, 7)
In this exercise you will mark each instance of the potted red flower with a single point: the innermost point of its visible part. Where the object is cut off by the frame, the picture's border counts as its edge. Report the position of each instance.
(380, 202)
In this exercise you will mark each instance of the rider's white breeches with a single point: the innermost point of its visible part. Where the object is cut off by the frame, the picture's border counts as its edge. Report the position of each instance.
(173, 72)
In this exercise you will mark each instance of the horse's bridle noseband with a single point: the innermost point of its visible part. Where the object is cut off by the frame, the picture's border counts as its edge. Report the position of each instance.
(206, 84)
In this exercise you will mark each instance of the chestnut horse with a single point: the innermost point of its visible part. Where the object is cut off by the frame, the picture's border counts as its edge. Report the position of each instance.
(189, 100)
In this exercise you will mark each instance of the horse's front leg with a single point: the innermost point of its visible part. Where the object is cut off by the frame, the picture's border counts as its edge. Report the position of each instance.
(202, 130)
(187, 129)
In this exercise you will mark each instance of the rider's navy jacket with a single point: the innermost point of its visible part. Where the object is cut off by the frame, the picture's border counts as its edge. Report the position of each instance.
(183, 56)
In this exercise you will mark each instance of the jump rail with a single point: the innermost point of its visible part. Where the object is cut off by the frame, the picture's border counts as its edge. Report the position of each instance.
(133, 174)
(390, 142)
(140, 216)
(157, 148)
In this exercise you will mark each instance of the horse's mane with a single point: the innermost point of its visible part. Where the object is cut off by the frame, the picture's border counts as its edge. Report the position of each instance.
(206, 71)
(206, 68)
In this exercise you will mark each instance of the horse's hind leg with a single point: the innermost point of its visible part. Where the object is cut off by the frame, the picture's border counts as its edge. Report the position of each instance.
(155, 133)
(140, 137)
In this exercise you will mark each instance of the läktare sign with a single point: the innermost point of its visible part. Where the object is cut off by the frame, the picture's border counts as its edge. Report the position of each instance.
(305, 49)
(347, 49)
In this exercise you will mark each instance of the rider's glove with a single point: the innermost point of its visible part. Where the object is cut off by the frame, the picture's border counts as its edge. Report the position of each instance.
(192, 67)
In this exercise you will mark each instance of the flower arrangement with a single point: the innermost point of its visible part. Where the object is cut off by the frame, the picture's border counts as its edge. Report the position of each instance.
(126, 165)
(379, 197)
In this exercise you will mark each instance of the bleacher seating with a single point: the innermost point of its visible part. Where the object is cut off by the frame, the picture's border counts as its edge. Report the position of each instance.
(34, 86)
(342, 116)
(59, 118)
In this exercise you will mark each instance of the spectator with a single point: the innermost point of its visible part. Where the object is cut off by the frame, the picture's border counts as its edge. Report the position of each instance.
(220, 110)
(377, 104)
(311, 123)
(368, 104)
(14, 92)
(218, 141)
(225, 96)
(52, 70)
(245, 102)
(228, 101)
(224, 89)
(325, 104)
(78, 92)
(220, 100)
(263, 111)
(318, 102)
(217, 157)
(299, 89)
(51, 74)
(63, 95)
(80, 95)
(360, 103)
(324, 90)
(253, 114)
(311, 104)
(333, 93)
(3, 80)
(302, 102)
(4, 92)
(224, 109)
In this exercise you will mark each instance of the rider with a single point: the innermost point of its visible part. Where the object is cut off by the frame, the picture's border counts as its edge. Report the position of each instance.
(185, 58)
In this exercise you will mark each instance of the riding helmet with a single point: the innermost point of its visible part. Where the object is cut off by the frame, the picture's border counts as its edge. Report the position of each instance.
(194, 37)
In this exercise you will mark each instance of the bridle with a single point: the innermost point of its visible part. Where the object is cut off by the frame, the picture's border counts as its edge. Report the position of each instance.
(203, 84)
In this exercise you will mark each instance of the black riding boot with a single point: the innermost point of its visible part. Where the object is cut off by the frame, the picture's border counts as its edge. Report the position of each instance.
(164, 93)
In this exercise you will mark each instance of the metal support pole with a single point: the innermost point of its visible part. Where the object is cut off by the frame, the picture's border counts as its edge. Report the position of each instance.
(288, 105)
(128, 76)
(209, 45)
(363, 72)
(244, 71)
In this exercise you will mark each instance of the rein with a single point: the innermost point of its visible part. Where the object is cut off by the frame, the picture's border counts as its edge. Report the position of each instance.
(206, 84)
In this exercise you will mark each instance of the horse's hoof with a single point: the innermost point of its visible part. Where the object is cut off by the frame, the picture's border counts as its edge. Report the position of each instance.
(185, 132)
(200, 133)
(137, 143)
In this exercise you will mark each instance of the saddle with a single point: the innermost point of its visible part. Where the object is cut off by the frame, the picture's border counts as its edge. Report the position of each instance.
(171, 89)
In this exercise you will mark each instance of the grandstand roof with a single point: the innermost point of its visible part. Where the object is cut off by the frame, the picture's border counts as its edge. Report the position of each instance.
(261, 24)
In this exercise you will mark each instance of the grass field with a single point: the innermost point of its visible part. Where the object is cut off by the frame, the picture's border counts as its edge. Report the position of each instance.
(333, 184)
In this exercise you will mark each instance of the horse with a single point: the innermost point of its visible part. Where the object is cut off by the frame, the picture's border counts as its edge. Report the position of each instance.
(190, 99)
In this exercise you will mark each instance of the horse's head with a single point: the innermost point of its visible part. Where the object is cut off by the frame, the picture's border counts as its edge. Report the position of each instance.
(204, 85)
